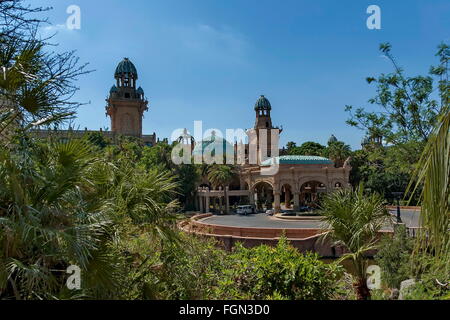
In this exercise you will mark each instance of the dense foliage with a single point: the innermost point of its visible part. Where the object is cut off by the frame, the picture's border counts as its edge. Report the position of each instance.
(394, 256)
(278, 273)
(111, 207)
(352, 220)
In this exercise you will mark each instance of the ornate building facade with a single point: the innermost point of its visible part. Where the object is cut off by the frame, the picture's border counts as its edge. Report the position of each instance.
(298, 181)
(126, 105)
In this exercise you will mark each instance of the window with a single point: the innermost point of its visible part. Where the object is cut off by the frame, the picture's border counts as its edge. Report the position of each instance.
(127, 95)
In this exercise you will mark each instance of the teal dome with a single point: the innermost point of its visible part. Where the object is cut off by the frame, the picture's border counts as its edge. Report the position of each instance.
(140, 90)
(206, 143)
(126, 66)
(113, 89)
(262, 103)
(332, 139)
(296, 160)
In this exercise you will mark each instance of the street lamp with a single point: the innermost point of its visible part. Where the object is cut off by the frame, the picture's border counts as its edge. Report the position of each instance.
(397, 196)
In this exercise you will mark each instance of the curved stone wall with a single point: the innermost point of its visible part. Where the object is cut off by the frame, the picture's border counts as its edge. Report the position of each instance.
(302, 239)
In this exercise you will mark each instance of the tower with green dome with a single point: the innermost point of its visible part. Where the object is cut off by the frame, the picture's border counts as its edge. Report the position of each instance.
(126, 104)
(263, 122)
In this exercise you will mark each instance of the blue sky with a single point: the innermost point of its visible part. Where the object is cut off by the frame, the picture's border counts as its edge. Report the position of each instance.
(210, 60)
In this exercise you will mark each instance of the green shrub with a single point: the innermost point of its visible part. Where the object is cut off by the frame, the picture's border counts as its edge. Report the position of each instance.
(191, 268)
(278, 272)
(432, 279)
(394, 257)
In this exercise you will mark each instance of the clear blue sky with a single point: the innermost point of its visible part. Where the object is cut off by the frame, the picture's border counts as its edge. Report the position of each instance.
(210, 60)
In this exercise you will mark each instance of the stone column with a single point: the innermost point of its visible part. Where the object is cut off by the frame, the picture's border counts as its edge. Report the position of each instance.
(287, 198)
(227, 200)
(200, 201)
(296, 201)
(277, 202)
(207, 201)
(251, 197)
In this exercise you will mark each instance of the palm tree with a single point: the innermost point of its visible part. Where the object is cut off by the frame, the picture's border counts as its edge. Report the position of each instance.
(353, 220)
(221, 175)
(62, 204)
(46, 222)
(338, 151)
(434, 173)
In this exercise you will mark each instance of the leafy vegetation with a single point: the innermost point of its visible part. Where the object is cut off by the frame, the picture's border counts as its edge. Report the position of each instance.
(394, 257)
(353, 220)
(278, 273)
(112, 207)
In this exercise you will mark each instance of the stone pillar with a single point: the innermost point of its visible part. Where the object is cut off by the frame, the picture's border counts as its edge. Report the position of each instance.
(200, 201)
(227, 200)
(207, 201)
(287, 198)
(277, 202)
(296, 201)
(251, 197)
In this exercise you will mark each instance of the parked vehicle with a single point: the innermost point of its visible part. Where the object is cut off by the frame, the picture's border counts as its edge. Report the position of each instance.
(270, 212)
(246, 209)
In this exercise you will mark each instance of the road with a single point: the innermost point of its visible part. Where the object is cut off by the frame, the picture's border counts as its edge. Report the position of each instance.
(261, 220)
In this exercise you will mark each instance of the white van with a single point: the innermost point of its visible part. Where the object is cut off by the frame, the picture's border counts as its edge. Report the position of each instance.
(247, 209)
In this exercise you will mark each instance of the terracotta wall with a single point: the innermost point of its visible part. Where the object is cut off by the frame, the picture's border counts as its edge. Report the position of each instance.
(302, 239)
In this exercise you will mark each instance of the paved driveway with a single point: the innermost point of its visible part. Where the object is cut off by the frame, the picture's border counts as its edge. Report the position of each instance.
(261, 220)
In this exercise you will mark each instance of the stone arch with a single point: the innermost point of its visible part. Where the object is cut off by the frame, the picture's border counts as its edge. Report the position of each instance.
(264, 181)
(322, 179)
(264, 192)
(336, 182)
(311, 190)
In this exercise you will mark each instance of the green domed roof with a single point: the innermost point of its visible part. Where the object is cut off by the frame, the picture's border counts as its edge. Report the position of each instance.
(113, 89)
(332, 139)
(297, 160)
(262, 103)
(200, 147)
(140, 90)
(126, 66)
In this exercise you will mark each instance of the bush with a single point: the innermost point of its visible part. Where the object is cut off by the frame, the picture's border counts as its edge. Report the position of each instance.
(191, 268)
(278, 272)
(432, 279)
(394, 257)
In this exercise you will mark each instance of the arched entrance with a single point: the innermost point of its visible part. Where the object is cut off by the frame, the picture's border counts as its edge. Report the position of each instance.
(310, 193)
(263, 193)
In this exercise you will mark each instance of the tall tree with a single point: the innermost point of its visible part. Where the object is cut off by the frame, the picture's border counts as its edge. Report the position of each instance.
(408, 108)
(308, 148)
(338, 151)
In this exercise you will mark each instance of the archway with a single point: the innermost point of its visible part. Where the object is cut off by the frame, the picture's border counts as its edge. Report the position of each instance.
(263, 192)
(338, 185)
(310, 193)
